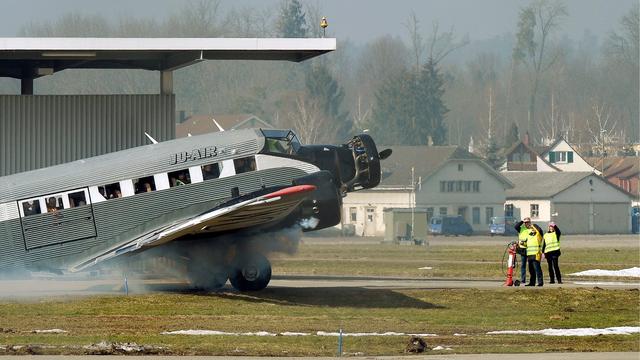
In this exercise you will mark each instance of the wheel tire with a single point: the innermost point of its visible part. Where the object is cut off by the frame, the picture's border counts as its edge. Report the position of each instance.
(516, 283)
(251, 272)
(208, 277)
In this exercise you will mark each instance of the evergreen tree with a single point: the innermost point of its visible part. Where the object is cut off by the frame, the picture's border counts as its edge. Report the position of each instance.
(323, 88)
(513, 136)
(430, 105)
(293, 23)
(492, 155)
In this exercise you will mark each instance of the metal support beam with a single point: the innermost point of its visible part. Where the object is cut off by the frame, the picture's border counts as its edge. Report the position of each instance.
(166, 82)
(26, 86)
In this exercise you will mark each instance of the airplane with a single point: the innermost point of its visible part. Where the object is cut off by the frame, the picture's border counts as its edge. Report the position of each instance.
(213, 200)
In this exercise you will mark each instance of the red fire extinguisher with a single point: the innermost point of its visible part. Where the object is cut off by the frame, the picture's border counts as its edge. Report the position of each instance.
(511, 264)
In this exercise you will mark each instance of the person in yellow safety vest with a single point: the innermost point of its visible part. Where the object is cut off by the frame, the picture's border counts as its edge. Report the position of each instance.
(551, 249)
(522, 228)
(534, 254)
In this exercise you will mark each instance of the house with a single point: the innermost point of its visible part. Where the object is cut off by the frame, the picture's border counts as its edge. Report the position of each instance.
(522, 157)
(202, 124)
(580, 202)
(563, 156)
(621, 171)
(439, 179)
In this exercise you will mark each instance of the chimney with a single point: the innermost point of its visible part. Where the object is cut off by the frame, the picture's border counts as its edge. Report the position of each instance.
(525, 138)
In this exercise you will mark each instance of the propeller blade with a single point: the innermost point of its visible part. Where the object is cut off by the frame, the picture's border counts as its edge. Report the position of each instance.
(384, 154)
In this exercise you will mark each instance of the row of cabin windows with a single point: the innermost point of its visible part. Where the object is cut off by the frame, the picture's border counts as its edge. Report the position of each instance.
(76, 198)
(460, 186)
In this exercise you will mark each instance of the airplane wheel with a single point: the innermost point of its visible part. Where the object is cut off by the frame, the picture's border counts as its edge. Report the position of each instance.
(250, 273)
(208, 278)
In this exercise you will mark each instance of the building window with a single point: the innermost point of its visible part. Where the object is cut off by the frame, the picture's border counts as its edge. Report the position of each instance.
(459, 185)
(508, 210)
(560, 156)
(488, 214)
(475, 212)
(443, 185)
(460, 167)
(443, 211)
(429, 214)
(476, 186)
(535, 211)
(450, 185)
(467, 186)
(353, 214)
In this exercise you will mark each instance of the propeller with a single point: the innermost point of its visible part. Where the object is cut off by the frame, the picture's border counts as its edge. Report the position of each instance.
(384, 154)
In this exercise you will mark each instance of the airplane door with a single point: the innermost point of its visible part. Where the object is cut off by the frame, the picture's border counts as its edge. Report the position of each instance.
(57, 219)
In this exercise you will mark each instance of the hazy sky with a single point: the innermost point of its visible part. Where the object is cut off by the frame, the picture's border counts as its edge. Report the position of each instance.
(358, 20)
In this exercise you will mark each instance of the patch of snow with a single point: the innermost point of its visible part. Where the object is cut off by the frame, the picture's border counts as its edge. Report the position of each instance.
(621, 330)
(50, 331)
(440, 347)
(389, 333)
(456, 334)
(426, 268)
(286, 333)
(632, 272)
(606, 283)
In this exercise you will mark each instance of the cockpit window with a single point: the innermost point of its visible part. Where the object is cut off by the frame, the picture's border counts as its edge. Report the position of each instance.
(281, 141)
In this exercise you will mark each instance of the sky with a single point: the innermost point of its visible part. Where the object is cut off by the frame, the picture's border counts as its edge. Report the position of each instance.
(357, 20)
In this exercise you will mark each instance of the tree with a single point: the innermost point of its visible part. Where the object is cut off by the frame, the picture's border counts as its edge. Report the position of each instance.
(292, 23)
(513, 136)
(491, 153)
(324, 89)
(536, 24)
(409, 108)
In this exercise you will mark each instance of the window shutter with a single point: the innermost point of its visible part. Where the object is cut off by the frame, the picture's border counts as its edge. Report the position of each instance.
(570, 156)
(552, 156)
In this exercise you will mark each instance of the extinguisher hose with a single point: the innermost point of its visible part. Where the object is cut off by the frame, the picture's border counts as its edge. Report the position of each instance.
(504, 256)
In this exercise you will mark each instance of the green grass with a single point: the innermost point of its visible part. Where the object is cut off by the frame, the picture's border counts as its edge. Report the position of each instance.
(447, 261)
(142, 318)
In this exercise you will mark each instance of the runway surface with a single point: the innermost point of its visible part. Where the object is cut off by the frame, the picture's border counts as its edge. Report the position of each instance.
(83, 286)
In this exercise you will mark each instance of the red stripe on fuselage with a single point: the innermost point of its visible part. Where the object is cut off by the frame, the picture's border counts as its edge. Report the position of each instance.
(298, 189)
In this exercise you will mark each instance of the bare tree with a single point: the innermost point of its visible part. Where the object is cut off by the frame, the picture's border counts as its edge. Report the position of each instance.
(309, 121)
(443, 44)
(625, 45)
(603, 127)
(418, 44)
(360, 115)
(537, 23)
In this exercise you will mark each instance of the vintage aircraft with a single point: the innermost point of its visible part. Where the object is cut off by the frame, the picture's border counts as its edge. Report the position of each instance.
(184, 197)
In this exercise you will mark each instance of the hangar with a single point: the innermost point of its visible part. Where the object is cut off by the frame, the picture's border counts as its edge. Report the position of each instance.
(39, 130)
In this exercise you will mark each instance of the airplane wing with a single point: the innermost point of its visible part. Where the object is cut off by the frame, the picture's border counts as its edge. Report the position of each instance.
(256, 210)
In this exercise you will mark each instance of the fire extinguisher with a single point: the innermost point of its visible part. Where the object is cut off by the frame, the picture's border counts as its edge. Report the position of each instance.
(511, 252)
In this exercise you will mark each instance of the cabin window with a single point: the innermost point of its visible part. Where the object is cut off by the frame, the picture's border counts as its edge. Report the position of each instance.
(210, 171)
(31, 207)
(110, 191)
(77, 199)
(281, 141)
(244, 164)
(54, 203)
(180, 177)
(143, 185)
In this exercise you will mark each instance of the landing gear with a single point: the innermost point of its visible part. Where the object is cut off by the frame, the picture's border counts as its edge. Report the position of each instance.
(250, 272)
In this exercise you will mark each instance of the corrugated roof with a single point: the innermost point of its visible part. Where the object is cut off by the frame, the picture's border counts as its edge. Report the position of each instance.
(202, 124)
(540, 185)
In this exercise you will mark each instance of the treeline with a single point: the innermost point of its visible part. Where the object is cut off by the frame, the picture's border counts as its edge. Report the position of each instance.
(404, 91)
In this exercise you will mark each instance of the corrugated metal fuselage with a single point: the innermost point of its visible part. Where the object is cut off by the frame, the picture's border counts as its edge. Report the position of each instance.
(59, 239)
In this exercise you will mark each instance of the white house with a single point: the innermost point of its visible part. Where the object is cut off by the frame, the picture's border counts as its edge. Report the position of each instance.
(563, 156)
(579, 202)
(446, 180)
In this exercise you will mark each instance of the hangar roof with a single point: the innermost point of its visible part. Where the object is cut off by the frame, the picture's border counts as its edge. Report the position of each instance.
(24, 57)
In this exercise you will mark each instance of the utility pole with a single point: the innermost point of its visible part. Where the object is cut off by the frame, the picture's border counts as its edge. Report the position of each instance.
(413, 202)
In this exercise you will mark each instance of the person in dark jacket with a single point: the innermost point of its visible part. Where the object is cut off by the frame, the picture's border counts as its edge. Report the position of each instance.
(551, 249)
(522, 228)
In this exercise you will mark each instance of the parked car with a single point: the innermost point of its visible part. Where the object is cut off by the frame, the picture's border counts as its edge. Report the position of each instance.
(449, 225)
(502, 225)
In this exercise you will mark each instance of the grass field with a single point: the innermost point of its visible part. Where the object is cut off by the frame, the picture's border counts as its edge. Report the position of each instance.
(142, 318)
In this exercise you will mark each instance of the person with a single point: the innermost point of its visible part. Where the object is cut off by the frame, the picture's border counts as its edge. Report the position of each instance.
(534, 254)
(551, 249)
(51, 205)
(522, 228)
